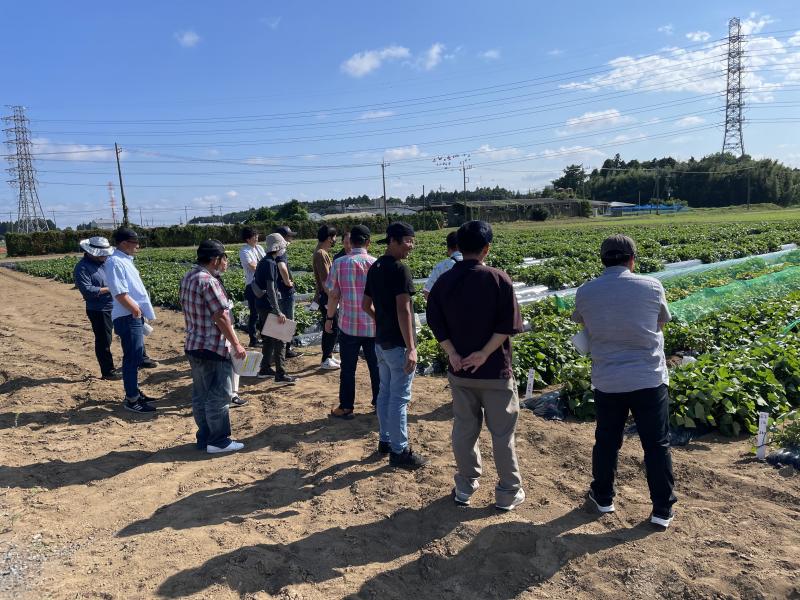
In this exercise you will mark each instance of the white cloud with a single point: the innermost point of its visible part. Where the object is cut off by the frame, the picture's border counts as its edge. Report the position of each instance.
(592, 120)
(432, 57)
(69, 151)
(577, 151)
(231, 193)
(625, 138)
(261, 160)
(667, 29)
(690, 122)
(795, 39)
(376, 114)
(499, 153)
(271, 22)
(363, 63)
(492, 54)
(755, 23)
(187, 39)
(701, 70)
(698, 36)
(403, 152)
(555, 52)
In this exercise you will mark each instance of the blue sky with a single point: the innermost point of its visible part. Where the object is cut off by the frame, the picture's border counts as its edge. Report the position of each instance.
(254, 103)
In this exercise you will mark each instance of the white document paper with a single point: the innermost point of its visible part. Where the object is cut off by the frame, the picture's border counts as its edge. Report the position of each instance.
(581, 342)
(249, 365)
(279, 331)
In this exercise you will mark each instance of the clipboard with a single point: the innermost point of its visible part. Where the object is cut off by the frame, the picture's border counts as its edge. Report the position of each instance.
(249, 365)
(283, 332)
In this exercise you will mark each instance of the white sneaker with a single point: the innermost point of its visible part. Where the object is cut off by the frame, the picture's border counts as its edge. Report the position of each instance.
(461, 498)
(662, 520)
(519, 498)
(336, 360)
(603, 508)
(232, 447)
(329, 364)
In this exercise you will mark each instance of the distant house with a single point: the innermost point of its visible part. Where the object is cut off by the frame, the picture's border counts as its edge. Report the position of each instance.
(107, 224)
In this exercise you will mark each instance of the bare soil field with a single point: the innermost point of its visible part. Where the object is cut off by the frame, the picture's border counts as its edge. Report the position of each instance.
(96, 502)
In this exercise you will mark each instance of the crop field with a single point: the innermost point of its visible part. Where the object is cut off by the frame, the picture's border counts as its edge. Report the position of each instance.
(746, 363)
(97, 503)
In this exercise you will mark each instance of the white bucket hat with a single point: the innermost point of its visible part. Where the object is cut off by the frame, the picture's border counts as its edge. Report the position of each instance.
(97, 246)
(275, 242)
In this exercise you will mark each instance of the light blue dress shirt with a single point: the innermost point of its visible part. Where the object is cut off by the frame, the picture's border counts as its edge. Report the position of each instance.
(122, 277)
(623, 313)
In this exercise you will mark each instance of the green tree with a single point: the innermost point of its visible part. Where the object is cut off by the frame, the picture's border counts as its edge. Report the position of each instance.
(291, 211)
(573, 178)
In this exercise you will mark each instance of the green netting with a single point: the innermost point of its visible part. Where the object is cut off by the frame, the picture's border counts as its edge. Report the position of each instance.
(727, 297)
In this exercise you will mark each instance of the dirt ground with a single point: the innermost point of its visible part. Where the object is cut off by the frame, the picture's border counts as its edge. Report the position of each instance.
(96, 502)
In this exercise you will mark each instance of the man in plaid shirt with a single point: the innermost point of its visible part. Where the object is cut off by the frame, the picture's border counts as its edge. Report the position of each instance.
(210, 340)
(345, 284)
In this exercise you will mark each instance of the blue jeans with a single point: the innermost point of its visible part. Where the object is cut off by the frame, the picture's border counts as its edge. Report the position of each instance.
(131, 335)
(349, 346)
(393, 397)
(211, 391)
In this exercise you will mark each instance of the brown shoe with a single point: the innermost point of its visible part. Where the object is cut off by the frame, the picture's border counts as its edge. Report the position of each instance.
(342, 413)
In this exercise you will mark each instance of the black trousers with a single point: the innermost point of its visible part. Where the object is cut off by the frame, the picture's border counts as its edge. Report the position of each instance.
(328, 339)
(272, 349)
(650, 408)
(103, 328)
(252, 317)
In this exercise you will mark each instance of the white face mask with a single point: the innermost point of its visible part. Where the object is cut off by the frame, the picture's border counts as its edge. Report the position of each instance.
(282, 252)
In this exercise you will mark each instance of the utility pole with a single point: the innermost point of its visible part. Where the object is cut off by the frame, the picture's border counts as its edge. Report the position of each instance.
(186, 212)
(423, 198)
(463, 163)
(125, 220)
(658, 199)
(748, 189)
(384, 164)
(141, 220)
(52, 212)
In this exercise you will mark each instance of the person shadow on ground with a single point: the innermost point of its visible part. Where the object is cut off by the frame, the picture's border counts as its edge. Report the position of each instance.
(236, 503)
(509, 556)
(502, 560)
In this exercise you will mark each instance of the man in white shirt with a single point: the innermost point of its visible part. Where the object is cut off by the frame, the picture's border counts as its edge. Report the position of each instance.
(453, 256)
(131, 306)
(249, 255)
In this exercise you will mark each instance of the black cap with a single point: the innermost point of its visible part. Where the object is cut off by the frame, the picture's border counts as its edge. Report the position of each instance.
(210, 249)
(617, 247)
(285, 231)
(359, 234)
(396, 230)
(123, 234)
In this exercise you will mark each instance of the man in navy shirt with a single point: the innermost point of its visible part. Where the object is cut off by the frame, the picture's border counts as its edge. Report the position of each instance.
(90, 279)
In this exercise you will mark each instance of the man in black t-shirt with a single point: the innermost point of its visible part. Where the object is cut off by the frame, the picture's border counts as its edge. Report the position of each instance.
(473, 313)
(387, 298)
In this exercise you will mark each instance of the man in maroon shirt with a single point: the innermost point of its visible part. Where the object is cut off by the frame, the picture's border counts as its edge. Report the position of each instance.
(473, 313)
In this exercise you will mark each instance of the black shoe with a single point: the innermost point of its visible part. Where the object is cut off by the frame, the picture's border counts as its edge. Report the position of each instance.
(292, 354)
(407, 459)
(114, 375)
(384, 447)
(145, 398)
(265, 373)
(237, 401)
(662, 518)
(254, 343)
(288, 379)
(148, 363)
(139, 407)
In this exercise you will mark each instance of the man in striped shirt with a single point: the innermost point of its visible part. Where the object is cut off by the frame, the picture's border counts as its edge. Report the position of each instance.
(345, 284)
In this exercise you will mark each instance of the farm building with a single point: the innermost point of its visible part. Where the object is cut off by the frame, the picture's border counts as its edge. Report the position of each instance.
(515, 209)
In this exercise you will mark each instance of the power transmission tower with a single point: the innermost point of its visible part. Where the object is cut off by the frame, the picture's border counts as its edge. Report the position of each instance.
(733, 141)
(384, 164)
(30, 216)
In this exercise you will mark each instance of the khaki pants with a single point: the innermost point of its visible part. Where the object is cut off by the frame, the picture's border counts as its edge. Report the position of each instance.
(497, 401)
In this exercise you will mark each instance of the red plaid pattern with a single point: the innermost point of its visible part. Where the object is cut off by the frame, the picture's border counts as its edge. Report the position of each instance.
(348, 276)
(202, 295)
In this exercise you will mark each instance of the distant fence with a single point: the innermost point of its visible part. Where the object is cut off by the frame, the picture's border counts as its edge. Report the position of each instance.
(56, 242)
